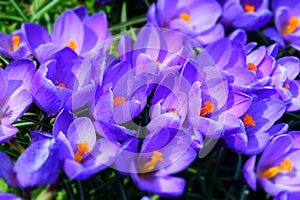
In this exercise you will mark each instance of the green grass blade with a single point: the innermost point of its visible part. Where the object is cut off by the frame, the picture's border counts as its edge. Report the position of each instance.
(19, 10)
(43, 10)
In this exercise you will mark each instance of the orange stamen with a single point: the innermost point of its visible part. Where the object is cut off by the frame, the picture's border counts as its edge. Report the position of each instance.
(249, 8)
(150, 165)
(72, 44)
(119, 100)
(61, 85)
(292, 26)
(285, 166)
(83, 148)
(185, 17)
(252, 67)
(248, 120)
(16, 41)
(287, 86)
(157, 62)
(173, 111)
(207, 109)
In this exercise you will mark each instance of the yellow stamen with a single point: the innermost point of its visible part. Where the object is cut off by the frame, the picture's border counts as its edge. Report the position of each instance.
(72, 44)
(16, 41)
(287, 86)
(252, 67)
(292, 26)
(207, 109)
(157, 62)
(173, 111)
(119, 100)
(185, 17)
(248, 120)
(82, 148)
(61, 85)
(249, 7)
(286, 166)
(150, 165)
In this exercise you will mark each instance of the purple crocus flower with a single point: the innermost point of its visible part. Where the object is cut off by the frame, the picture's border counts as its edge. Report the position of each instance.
(81, 154)
(60, 75)
(288, 196)
(8, 196)
(169, 104)
(15, 95)
(74, 28)
(13, 46)
(287, 23)
(249, 15)
(37, 165)
(277, 169)
(163, 153)
(283, 76)
(197, 19)
(256, 126)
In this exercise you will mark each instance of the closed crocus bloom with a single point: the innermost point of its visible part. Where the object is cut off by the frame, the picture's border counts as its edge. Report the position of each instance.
(277, 170)
(163, 153)
(81, 154)
(197, 19)
(287, 23)
(13, 46)
(37, 165)
(246, 14)
(15, 95)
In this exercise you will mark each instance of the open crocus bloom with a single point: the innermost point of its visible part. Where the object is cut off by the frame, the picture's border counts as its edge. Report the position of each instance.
(163, 153)
(82, 155)
(15, 97)
(73, 29)
(278, 168)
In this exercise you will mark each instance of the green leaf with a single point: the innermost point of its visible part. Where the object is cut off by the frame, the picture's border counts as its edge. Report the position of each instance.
(19, 10)
(43, 10)
(3, 185)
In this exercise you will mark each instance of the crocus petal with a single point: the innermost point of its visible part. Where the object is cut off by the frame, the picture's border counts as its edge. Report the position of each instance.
(66, 28)
(6, 170)
(38, 164)
(165, 186)
(22, 69)
(81, 130)
(249, 172)
(35, 35)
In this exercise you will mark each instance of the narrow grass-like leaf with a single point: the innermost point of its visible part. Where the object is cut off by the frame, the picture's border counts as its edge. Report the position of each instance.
(131, 22)
(19, 10)
(43, 10)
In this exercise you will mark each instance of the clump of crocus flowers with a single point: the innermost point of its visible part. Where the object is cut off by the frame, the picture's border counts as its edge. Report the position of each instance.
(230, 90)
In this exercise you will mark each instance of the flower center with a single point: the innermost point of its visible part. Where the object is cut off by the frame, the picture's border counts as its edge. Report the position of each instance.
(185, 17)
(249, 7)
(82, 148)
(61, 85)
(16, 41)
(207, 109)
(285, 166)
(291, 27)
(252, 67)
(287, 86)
(157, 62)
(248, 120)
(173, 111)
(72, 44)
(150, 165)
(119, 100)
